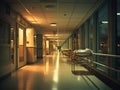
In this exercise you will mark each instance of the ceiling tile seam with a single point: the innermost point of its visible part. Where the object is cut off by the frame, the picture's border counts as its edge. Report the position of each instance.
(44, 15)
(58, 17)
(27, 10)
(89, 12)
(72, 13)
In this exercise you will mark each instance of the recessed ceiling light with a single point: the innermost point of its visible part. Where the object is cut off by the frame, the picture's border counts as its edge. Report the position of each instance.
(53, 24)
(104, 22)
(118, 14)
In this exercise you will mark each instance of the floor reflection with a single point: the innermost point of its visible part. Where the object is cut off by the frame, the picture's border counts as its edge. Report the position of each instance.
(53, 72)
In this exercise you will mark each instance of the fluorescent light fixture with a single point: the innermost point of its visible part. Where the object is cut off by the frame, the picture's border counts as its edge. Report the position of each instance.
(34, 22)
(104, 22)
(118, 14)
(53, 24)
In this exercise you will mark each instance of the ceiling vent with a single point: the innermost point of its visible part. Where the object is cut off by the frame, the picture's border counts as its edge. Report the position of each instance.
(50, 6)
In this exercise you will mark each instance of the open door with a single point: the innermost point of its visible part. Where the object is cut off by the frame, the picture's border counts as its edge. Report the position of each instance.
(21, 47)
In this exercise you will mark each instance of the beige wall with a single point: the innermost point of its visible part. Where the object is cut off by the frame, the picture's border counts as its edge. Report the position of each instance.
(30, 44)
(30, 37)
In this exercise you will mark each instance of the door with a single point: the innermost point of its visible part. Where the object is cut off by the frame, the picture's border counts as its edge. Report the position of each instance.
(21, 47)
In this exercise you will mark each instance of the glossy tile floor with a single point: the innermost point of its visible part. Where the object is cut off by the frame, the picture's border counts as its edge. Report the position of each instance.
(54, 72)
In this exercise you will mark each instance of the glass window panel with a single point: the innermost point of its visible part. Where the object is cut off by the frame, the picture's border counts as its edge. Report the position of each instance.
(102, 35)
(4, 33)
(103, 30)
(118, 38)
(118, 27)
(90, 33)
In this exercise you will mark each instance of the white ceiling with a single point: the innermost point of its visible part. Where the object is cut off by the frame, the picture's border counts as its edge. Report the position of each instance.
(68, 14)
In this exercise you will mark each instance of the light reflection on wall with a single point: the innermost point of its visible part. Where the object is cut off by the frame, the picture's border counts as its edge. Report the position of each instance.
(30, 37)
(21, 36)
(54, 46)
(47, 44)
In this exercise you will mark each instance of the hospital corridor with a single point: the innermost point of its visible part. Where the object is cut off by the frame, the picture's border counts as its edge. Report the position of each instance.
(53, 72)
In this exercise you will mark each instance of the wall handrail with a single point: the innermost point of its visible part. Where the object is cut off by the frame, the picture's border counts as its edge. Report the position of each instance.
(114, 69)
(97, 63)
(108, 55)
